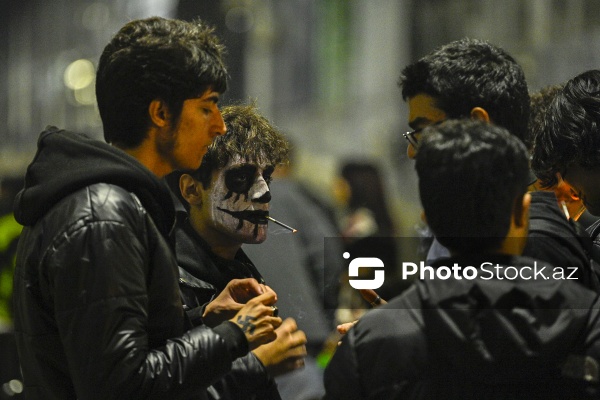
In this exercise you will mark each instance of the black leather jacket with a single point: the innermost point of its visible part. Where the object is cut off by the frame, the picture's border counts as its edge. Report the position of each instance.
(98, 313)
(203, 274)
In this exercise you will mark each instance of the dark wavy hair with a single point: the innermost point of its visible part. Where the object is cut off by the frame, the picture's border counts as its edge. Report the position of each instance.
(470, 73)
(540, 103)
(154, 58)
(572, 129)
(471, 176)
(250, 136)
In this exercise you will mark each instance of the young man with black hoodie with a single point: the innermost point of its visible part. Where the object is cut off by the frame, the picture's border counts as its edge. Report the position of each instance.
(481, 323)
(98, 313)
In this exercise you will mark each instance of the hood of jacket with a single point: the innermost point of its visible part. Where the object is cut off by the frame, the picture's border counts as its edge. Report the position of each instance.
(503, 330)
(66, 162)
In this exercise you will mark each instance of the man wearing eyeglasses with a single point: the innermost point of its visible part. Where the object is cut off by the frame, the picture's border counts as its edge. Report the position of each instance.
(475, 79)
(467, 78)
(517, 336)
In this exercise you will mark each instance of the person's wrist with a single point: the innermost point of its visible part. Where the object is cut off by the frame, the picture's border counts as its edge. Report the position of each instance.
(234, 338)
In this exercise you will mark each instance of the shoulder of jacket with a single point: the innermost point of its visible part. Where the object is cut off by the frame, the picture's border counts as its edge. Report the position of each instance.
(106, 201)
(100, 202)
(98, 206)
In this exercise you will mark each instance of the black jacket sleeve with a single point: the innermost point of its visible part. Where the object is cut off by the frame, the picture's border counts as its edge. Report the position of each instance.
(248, 379)
(392, 334)
(100, 274)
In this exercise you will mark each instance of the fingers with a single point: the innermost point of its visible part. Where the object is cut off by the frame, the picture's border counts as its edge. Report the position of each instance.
(372, 297)
(295, 336)
(268, 298)
(244, 289)
(293, 340)
(287, 352)
(268, 288)
(264, 338)
(344, 328)
(292, 364)
(288, 325)
(368, 294)
(258, 331)
(258, 317)
(275, 322)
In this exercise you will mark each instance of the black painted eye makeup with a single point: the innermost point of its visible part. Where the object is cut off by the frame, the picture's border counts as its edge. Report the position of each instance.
(267, 174)
(240, 179)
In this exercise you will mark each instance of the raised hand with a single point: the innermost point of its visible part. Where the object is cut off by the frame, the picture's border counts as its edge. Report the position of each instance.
(231, 300)
(256, 319)
(370, 296)
(287, 352)
(345, 327)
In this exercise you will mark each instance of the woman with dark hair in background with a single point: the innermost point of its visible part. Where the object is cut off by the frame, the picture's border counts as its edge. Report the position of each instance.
(363, 191)
(367, 228)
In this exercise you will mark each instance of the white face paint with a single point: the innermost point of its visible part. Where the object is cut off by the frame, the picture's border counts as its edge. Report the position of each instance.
(238, 201)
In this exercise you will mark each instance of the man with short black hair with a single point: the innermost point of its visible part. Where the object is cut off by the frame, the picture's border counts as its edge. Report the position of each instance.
(471, 78)
(569, 146)
(484, 331)
(466, 78)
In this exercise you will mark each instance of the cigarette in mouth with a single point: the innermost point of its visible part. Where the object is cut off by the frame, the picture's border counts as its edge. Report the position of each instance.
(564, 207)
(282, 224)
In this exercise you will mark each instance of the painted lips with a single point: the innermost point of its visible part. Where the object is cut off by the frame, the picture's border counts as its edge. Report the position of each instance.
(255, 216)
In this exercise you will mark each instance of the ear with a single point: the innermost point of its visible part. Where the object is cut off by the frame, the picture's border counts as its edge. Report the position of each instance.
(191, 190)
(569, 188)
(159, 113)
(573, 194)
(478, 113)
(521, 212)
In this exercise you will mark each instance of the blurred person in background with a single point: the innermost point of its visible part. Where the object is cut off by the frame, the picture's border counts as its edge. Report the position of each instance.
(540, 102)
(471, 78)
(308, 285)
(367, 229)
(10, 230)
(555, 234)
(567, 148)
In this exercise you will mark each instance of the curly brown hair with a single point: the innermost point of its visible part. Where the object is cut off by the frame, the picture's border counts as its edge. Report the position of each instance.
(250, 136)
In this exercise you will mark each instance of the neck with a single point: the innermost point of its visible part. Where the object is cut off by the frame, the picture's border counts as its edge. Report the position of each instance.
(224, 251)
(149, 158)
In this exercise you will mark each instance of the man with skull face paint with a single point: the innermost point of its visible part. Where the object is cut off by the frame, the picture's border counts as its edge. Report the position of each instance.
(222, 205)
(237, 205)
